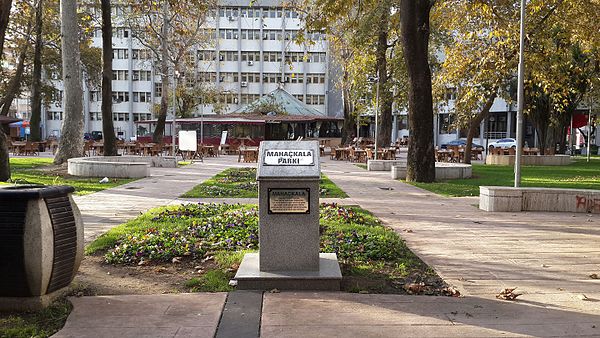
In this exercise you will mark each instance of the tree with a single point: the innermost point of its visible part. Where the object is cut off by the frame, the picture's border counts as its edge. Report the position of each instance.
(362, 43)
(414, 21)
(36, 83)
(71, 141)
(171, 30)
(5, 6)
(481, 49)
(108, 130)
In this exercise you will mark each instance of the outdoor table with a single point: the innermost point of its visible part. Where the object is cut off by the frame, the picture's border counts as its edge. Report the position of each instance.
(341, 153)
(41, 145)
(531, 151)
(18, 147)
(98, 148)
(443, 155)
(209, 150)
(250, 154)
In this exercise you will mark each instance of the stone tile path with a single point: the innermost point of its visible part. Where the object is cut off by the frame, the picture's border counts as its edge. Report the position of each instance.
(106, 209)
(548, 256)
(180, 315)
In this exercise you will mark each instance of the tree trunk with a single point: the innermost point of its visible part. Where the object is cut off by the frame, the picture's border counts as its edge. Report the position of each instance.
(414, 20)
(5, 6)
(476, 122)
(157, 136)
(36, 81)
(108, 129)
(15, 83)
(385, 96)
(71, 138)
(349, 127)
(4, 158)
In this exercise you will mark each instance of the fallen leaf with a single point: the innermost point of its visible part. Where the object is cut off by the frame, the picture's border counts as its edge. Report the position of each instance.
(275, 291)
(176, 260)
(583, 297)
(208, 258)
(414, 288)
(508, 294)
(450, 291)
(594, 276)
(363, 292)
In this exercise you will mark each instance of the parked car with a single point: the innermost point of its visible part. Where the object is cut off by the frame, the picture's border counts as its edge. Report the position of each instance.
(95, 135)
(459, 143)
(503, 143)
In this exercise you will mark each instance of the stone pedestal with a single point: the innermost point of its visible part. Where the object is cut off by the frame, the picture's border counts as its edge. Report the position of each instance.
(288, 179)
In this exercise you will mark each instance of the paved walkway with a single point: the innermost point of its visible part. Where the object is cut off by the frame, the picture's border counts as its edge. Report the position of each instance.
(548, 256)
(106, 209)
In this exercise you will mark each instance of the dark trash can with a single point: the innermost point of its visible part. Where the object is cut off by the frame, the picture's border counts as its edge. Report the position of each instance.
(41, 244)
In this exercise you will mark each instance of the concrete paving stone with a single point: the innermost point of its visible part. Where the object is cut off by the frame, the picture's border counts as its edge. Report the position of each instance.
(138, 315)
(108, 332)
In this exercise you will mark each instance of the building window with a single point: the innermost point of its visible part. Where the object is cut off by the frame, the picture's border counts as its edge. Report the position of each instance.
(120, 116)
(445, 124)
(142, 97)
(54, 115)
(158, 89)
(119, 97)
(120, 54)
(120, 75)
(95, 116)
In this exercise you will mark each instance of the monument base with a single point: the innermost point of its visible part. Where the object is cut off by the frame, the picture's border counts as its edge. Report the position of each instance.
(329, 276)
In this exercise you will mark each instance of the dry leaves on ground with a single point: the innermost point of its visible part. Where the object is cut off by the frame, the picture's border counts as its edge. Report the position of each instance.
(508, 294)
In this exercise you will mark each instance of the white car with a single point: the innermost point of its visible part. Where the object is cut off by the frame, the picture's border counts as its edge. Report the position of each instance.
(504, 143)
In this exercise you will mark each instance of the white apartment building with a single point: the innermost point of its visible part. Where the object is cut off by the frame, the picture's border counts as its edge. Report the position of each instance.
(253, 52)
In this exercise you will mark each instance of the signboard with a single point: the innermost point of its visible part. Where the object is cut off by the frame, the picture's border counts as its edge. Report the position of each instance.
(289, 201)
(289, 157)
(187, 140)
(223, 137)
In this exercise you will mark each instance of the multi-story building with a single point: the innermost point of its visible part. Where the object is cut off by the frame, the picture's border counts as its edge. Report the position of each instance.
(252, 51)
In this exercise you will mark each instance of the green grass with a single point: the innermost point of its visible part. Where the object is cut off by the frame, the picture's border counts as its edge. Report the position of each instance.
(578, 175)
(241, 183)
(361, 165)
(211, 281)
(42, 323)
(365, 248)
(26, 171)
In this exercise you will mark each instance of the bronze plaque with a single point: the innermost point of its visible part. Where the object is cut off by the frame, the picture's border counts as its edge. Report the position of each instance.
(289, 201)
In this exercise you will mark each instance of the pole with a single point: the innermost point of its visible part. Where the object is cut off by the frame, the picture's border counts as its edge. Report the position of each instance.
(589, 130)
(174, 112)
(376, 115)
(520, 98)
(571, 152)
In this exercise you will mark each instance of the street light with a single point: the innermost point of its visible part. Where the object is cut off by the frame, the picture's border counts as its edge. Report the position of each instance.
(520, 98)
(173, 137)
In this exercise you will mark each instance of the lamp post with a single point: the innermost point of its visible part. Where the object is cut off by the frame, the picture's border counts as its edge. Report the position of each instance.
(520, 92)
(589, 130)
(173, 137)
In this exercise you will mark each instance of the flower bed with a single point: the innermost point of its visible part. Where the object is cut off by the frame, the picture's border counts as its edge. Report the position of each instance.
(372, 256)
(241, 183)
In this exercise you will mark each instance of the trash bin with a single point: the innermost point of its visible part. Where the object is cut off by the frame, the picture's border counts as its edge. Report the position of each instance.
(41, 244)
